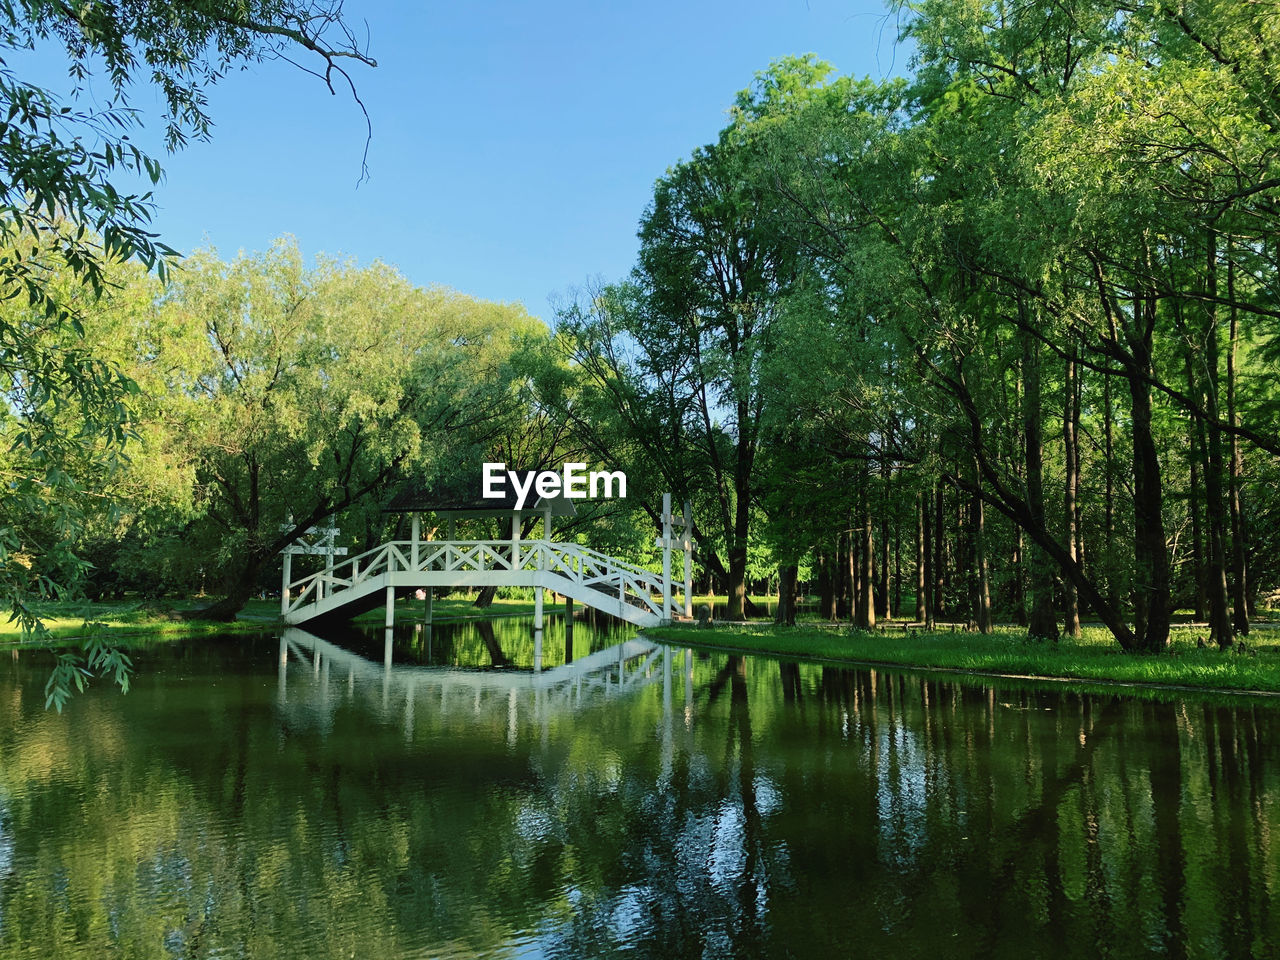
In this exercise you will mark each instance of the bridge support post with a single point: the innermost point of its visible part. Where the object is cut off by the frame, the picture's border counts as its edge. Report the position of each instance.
(391, 607)
(666, 556)
(426, 612)
(688, 559)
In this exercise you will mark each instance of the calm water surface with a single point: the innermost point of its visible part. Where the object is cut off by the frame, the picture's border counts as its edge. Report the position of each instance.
(281, 797)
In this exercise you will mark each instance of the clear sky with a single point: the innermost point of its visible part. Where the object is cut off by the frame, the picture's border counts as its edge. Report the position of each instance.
(515, 144)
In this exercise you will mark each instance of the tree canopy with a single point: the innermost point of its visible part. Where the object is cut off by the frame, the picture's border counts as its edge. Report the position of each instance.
(69, 216)
(998, 336)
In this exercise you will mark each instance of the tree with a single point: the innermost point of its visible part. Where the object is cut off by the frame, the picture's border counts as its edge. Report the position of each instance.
(63, 214)
(59, 208)
(290, 394)
(712, 273)
(1048, 263)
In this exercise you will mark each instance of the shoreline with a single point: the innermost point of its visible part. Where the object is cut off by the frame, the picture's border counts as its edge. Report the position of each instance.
(1182, 667)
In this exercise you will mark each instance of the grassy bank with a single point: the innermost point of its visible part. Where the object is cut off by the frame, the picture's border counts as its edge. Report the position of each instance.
(1094, 657)
(71, 620)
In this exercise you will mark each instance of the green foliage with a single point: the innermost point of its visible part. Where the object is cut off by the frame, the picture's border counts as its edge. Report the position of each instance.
(96, 657)
(66, 229)
(1033, 286)
(278, 390)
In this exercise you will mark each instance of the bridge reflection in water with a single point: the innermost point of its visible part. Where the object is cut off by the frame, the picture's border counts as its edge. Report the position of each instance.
(329, 806)
(323, 674)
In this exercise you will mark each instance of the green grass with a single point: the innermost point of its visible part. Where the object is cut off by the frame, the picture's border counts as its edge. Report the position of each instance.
(66, 620)
(1094, 657)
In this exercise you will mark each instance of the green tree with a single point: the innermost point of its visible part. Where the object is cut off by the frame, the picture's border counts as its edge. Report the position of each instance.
(288, 392)
(712, 273)
(64, 214)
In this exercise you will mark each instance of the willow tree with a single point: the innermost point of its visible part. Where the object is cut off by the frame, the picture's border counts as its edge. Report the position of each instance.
(290, 393)
(70, 208)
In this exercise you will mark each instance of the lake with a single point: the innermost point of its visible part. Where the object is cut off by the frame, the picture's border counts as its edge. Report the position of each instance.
(287, 796)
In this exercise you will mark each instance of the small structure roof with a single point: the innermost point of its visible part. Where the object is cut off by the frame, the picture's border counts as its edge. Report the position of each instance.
(463, 497)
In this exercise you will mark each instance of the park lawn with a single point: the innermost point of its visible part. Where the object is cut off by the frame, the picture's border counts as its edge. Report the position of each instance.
(68, 620)
(1094, 657)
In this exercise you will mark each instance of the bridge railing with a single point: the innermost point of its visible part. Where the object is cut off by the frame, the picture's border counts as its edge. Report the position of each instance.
(627, 582)
(634, 585)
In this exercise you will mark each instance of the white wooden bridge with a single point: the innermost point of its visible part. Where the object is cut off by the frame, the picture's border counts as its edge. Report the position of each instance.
(351, 586)
(402, 566)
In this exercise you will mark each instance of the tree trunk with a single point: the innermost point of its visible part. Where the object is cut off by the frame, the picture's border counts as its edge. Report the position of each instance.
(882, 580)
(1017, 578)
(263, 550)
(1239, 561)
(840, 576)
(1018, 561)
(939, 554)
(968, 566)
(1151, 589)
(866, 584)
(786, 612)
(1076, 402)
(1108, 496)
(882, 583)
(736, 538)
(930, 566)
(981, 577)
(1215, 495)
(1195, 457)
(1215, 570)
(737, 572)
(239, 590)
(922, 565)
(1042, 623)
(826, 586)
(1071, 615)
(895, 603)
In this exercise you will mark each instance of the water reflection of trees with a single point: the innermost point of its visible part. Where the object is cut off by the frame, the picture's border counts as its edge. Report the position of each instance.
(791, 809)
(502, 641)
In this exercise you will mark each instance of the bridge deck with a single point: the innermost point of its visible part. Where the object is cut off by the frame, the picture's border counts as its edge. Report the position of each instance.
(589, 577)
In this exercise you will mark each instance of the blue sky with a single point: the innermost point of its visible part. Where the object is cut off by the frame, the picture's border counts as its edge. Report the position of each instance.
(515, 145)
